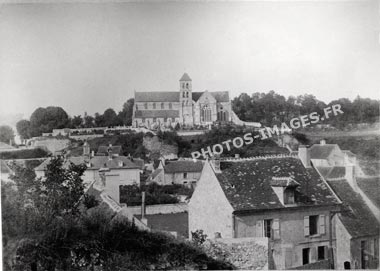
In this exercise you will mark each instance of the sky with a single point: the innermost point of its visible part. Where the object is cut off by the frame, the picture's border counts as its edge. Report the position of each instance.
(87, 57)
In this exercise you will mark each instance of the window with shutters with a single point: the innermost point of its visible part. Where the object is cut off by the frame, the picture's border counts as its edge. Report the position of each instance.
(268, 228)
(313, 225)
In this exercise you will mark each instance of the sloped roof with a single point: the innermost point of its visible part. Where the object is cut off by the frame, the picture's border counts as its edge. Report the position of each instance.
(98, 162)
(183, 166)
(4, 168)
(247, 184)
(371, 187)
(349, 153)
(155, 96)
(220, 96)
(357, 218)
(318, 151)
(284, 182)
(332, 172)
(185, 77)
(5, 146)
(103, 150)
(157, 114)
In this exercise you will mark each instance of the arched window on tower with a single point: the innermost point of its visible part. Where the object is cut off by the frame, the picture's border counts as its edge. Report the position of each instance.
(187, 85)
(162, 105)
(146, 105)
(154, 105)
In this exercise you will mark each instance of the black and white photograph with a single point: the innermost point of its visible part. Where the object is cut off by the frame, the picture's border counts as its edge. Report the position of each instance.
(189, 135)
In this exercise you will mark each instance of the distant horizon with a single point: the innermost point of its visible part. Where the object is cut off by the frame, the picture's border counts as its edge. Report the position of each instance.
(87, 57)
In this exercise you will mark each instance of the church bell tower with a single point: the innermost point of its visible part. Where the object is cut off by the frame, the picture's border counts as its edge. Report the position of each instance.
(186, 100)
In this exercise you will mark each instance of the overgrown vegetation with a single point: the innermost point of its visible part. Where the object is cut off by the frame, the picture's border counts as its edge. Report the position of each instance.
(24, 154)
(44, 229)
(154, 194)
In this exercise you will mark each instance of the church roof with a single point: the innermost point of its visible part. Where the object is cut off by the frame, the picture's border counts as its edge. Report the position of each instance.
(220, 96)
(160, 96)
(185, 77)
(157, 114)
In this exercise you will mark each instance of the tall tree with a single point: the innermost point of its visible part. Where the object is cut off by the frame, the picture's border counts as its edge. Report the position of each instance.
(76, 121)
(110, 118)
(6, 134)
(23, 128)
(125, 115)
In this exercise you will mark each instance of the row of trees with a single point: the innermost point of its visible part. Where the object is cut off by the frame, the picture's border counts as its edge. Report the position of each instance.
(44, 120)
(272, 108)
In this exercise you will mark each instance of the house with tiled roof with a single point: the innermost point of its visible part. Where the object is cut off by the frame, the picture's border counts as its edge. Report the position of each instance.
(184, 107)
(109, 171)
(277, 198)
(357, 225)
(185, 172)
(357, 229)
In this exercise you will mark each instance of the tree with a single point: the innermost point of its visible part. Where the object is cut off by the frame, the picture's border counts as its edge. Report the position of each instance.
(6, 134)
(89, 121)
(44, 120)
(76, 121)
(110, 118)
(99, 120)
(127, 112)
(23, 128)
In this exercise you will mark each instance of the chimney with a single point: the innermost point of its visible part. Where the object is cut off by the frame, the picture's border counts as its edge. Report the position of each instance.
(350, 175)
(120, 163)
(110, 152)
(322, 142)
(237, 155)
(143, 205)
(304, 155)
(92, 153)
(215, 163)
(86, 149)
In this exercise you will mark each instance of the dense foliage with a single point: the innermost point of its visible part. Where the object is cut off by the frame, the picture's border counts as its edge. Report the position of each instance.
(44, 120)
(154, 194)
(271, 108)
(46, 228)
(24, 154)
(6, 134)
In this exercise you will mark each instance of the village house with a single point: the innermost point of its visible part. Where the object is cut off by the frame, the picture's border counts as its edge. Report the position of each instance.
(357, 225)
(184, 172)
(124, 170)
(274, 197)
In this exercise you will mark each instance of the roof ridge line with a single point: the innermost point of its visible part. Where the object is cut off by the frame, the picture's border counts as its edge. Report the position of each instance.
(232, 159)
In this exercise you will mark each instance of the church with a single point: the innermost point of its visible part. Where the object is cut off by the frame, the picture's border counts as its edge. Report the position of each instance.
(184, 107)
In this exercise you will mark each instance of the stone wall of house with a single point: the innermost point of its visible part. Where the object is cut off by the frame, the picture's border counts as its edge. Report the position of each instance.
(209, 210)
(243, 253)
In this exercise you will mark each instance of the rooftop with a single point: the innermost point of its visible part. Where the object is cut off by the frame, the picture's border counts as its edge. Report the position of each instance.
(185, 77)
(332, 172)
(103, 150)
(247, 184)
(183, 166)
(5, 146)
(98, 162)
(358, 218)
(318, 151)
(371, 187)
(173, 96)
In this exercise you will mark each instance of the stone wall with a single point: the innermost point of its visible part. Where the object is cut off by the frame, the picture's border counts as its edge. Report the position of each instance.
(243, 253)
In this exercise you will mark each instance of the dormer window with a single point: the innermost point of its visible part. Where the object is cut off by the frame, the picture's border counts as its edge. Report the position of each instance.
(285, 188)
